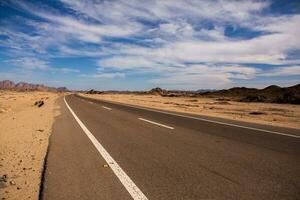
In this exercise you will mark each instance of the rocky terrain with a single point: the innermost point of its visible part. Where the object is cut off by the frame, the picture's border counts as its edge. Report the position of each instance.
(23, 86)
(270, 94)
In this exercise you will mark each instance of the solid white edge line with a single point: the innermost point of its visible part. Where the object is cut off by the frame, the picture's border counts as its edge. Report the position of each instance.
(107, 108)
(130, 186)
(152, 122)
(206, 120)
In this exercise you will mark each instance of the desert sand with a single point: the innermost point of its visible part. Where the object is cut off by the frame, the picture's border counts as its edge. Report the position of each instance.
(283, 115)
(24, 133)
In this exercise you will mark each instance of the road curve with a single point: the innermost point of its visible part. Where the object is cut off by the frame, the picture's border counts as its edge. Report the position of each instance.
(166, 155)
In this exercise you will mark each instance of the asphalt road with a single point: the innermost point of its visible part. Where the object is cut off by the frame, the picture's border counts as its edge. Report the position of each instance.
(114, 151)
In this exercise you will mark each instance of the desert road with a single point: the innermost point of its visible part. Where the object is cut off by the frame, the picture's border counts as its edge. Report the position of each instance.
(105, 150)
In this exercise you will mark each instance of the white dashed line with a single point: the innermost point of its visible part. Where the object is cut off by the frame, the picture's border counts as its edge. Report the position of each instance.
(206, 120)
(107, 108)
(169, 127)
(130, 186)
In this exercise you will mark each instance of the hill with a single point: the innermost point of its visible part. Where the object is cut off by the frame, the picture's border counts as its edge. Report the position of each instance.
(270, 94)
(23, 86)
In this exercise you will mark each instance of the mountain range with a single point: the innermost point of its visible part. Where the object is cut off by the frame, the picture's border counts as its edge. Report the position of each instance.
(23, 86)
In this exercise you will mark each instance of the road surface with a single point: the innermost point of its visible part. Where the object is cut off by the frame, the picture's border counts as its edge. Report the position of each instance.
(105, 150)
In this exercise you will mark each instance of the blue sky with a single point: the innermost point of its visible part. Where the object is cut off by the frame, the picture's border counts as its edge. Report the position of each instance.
(141, 44)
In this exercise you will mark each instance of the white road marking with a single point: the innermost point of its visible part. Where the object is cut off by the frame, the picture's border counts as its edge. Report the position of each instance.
(169, 127)
(107, 108)
(207, 120)
(130, 186)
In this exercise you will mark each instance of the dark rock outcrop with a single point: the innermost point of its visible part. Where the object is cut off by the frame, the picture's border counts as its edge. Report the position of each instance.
(270, 94)
(157, 91)
(94, 92)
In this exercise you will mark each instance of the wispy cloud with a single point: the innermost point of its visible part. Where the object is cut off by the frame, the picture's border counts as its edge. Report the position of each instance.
(283, 71)
(183, 42)
(32, 63)
(105, 75)
(195, 76)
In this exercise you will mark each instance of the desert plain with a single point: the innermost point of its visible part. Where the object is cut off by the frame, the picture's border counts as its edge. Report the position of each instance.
(24, 131)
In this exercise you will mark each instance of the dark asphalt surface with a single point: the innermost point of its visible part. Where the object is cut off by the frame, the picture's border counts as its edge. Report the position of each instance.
(195, 160)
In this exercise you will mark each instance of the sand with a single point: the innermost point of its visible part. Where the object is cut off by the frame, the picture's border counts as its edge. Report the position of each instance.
(283, 115)
(24, 134)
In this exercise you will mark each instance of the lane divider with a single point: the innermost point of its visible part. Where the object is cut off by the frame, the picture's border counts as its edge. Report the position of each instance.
(152, 122)
(129, 185)
(206, 120)
(107, 108)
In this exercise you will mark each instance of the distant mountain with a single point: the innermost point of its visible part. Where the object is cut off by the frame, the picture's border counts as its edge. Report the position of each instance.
(23, 86)
(7, 85)
(270, 94)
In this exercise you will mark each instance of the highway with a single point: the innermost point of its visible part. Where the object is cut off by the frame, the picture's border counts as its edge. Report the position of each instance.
(105, 150)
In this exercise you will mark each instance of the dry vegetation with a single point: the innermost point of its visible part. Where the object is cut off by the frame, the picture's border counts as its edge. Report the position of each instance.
(24, 132)
(285, 115)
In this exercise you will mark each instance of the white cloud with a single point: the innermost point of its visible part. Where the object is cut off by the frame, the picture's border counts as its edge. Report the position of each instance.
(132, 62)
(283, 71)
(32, 64)
(66, 70)
(179, 38)
(203, 76)
(105, 75)
(168, 36)
(78, 27)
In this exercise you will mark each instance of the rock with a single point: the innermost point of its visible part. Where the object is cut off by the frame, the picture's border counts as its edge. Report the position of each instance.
(3, 178)
(39, 103)
(157, 91)
(256, 113)
(105, 165)
(12, 182)
(94, 92)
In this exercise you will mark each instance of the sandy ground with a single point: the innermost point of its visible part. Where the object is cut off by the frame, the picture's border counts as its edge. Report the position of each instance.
(24, 133)
(283, 115)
